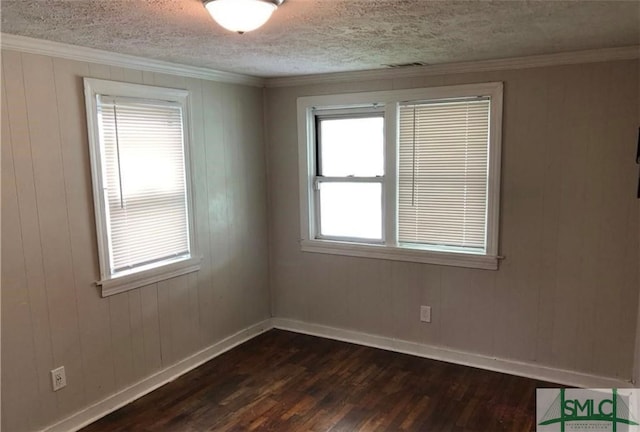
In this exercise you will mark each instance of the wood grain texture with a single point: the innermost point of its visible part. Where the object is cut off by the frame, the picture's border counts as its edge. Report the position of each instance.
(287, 382)
(50, 265)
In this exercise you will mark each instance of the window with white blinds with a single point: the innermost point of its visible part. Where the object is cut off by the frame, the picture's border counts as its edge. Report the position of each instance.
(138, 139)
(437, 153)
(145, 194)
(443, 173)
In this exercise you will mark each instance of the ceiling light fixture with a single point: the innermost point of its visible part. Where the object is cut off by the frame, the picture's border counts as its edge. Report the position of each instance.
(241, 15)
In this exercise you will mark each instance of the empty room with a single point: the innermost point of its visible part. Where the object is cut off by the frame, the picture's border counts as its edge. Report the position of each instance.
(320, 215)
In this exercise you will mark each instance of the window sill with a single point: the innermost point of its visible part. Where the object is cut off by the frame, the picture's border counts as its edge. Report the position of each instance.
(136, 280)
(469, 260)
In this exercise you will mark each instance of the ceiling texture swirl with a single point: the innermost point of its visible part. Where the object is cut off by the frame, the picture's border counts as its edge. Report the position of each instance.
(322, 36)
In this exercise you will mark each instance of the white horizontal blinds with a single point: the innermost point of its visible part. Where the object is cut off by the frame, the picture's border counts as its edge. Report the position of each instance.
(144, 174)
(443, 173)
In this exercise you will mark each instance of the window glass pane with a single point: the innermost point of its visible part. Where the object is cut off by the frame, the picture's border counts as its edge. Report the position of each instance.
(352, 147)
(351, 210)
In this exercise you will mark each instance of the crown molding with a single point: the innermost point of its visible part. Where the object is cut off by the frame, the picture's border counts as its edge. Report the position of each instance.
(566, 58)
(74, 52)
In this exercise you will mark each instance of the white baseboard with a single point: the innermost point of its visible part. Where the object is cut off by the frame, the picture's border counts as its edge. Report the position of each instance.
(92, 413)
(529, 370)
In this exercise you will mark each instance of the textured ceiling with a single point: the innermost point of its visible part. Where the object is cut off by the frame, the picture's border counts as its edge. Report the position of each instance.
(318, 36)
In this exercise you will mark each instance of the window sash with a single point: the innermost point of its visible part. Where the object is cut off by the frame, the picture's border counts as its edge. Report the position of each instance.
(342, 114)
(345, 113)
(353, 180)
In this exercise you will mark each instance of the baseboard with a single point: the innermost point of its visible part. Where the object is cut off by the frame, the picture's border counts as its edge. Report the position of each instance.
(92, 413)
(512, 367)
(111, 403)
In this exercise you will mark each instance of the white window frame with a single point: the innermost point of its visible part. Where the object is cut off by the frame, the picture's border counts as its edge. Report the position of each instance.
(145, 275)
(391, 249)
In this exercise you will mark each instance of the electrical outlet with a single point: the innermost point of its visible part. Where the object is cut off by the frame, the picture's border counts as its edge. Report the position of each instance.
(58, 378)
(425, 314)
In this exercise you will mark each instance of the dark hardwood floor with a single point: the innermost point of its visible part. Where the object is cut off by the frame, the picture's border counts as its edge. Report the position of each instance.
(282, 381)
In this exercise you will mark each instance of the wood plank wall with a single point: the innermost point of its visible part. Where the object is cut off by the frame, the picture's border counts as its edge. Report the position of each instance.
(52, 314)
(566, 295)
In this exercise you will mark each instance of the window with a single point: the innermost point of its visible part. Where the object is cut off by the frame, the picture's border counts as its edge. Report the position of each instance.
(138, 138)
(350, 170)
(410, 175)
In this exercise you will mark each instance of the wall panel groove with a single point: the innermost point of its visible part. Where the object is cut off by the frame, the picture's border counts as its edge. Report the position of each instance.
(566, 295)
(50, 261)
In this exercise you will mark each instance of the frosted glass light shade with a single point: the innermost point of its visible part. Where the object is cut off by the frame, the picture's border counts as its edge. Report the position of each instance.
(240, 15)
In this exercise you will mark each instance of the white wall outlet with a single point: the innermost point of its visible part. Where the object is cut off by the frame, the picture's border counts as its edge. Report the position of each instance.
(425, 314)
(58, 378)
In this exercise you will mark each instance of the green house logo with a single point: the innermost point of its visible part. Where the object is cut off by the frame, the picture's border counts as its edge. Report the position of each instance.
(588, 410)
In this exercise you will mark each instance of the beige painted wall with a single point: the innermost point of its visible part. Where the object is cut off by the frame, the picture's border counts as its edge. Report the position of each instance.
(52, 314)
(566, 295)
